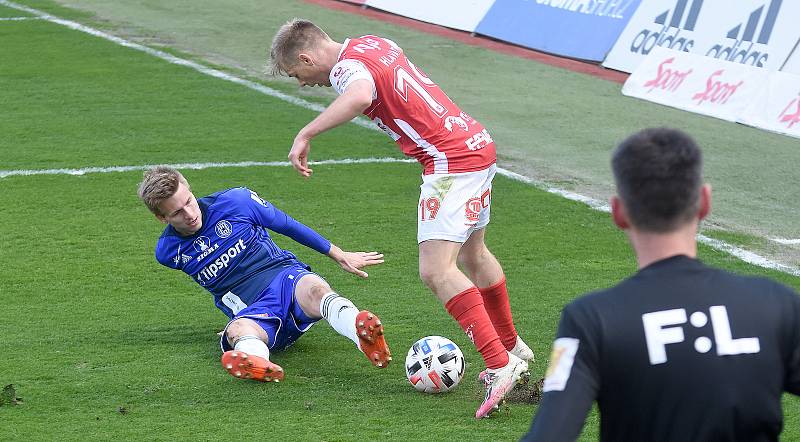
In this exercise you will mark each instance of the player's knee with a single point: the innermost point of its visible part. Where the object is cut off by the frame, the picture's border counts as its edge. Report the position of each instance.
(465, 263)
(431, 276)
(311, 287)
(318, 289)
(241, 327)
(475, 257)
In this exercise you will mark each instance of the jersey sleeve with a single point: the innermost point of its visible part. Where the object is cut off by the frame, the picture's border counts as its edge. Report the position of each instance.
(165, 256)
(269, 216)
(347, 71)
(572, 380)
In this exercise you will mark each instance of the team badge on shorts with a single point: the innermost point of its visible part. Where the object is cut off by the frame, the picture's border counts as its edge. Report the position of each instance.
(473, 209)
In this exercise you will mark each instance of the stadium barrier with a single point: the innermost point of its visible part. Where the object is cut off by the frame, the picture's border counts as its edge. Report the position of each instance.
(575, 29)
(620, 33)
(707, 35)
(719, 88)
(582, 30)
(761, 33)
(463, 15)
(792, 64)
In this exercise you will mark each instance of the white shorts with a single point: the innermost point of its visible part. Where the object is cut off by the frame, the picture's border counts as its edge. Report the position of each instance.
(452, 206)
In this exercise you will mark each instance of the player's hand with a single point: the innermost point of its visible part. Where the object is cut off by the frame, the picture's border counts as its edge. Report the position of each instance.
(353, 262)
(298, 155)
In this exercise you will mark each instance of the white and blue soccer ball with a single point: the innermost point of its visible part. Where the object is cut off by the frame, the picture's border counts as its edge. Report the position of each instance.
(434, 364)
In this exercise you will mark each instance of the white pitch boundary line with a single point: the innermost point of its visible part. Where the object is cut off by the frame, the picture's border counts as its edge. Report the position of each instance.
(180, 61)
(742, 254)
(745, 255)
(18, 18)
(196, 166)
(785, 241)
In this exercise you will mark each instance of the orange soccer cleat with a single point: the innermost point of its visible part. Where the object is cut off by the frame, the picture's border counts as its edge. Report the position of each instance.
(371, 339)
(244, 366)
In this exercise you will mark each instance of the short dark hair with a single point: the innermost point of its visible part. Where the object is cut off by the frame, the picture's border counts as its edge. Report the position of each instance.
(659, 174)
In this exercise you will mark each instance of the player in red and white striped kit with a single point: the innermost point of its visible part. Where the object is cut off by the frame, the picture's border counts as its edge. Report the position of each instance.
(373, 76)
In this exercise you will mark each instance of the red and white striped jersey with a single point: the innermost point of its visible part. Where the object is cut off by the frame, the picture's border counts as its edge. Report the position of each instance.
(412, 109)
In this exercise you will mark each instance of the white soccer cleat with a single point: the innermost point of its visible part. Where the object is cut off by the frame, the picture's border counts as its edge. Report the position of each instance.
(499, 382)
(520, 350)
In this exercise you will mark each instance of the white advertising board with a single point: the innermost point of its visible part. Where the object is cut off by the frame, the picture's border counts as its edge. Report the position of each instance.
(457, 14)
(759, 33)
(722, 89)
(792, 64)
(778, 108)
(695, 83)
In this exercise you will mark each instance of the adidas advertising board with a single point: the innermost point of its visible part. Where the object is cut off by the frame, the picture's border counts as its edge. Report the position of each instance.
(760, 33)
(792, 65)
(719, 88)
(463, 15)
(584, 29)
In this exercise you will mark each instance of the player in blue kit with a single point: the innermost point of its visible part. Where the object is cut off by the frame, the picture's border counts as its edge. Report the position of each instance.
(223, 242)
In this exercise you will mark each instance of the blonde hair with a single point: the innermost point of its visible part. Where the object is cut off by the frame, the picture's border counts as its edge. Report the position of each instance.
(294, 36)
(159, 184)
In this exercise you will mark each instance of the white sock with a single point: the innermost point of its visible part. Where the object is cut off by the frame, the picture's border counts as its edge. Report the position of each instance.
(252, 345)
(340, 314)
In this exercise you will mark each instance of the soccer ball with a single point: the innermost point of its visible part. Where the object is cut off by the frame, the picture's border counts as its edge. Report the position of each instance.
(434, 365)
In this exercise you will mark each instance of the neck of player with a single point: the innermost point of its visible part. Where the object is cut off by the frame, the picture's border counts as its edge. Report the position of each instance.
(652, 247)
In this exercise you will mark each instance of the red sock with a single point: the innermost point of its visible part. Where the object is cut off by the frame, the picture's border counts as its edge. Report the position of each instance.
(467, 308)
(495, 301)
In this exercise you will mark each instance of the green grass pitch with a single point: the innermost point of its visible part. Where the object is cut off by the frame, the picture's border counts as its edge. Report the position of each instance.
(101, 342)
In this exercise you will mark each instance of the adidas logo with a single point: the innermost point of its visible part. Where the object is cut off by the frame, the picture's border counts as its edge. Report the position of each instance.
(672, 22)
(742, 49)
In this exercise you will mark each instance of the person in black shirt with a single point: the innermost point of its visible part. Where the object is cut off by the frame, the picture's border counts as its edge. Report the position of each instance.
(679, 351)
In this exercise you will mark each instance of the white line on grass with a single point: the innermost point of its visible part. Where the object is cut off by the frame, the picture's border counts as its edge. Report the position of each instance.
(786, 241)
(18, 18)
(742, 254)
(85, 170)
(745, 255)
(179, 61)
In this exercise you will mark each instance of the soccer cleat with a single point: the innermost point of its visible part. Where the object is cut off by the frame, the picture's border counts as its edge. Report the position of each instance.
(499, 382)
(244, 366)
(371, 339)
(520, 350)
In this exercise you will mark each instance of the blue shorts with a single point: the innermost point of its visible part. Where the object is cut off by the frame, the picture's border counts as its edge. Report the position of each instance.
(277, 311)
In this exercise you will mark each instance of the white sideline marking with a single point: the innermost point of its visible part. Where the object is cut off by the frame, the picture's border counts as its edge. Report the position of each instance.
(745, 255)
(591, 202)
(785, 241)
(18, 18)
(85, 170)
(742, 254)
(180, 61)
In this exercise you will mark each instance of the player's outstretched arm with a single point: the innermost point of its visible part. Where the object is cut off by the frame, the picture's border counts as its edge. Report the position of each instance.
(352, 102)
(353, 262)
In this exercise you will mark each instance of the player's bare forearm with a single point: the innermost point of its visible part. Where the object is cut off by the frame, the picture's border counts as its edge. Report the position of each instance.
(355, 99)
(353, 261)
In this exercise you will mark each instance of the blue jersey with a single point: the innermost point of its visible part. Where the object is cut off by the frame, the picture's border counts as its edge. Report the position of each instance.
(232, 255)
